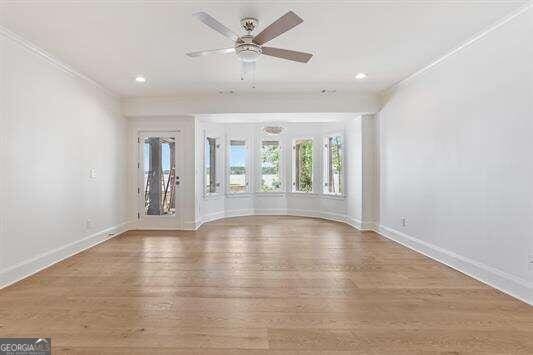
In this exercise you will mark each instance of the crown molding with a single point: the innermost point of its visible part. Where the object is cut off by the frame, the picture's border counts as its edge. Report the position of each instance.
(15, 38)
(475, 38)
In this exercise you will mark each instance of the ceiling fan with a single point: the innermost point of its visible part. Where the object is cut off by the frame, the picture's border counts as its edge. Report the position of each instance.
(249, 47)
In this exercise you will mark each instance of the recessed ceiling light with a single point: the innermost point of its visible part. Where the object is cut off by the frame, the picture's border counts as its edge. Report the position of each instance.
(361, 76)
(140, 79)
(227, 92)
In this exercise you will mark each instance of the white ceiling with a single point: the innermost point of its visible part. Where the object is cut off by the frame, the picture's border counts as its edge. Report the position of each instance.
(112, 41)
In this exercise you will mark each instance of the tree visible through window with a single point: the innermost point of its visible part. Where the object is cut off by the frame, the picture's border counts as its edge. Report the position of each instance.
(270, 166)
(237, 166)
(159, 164)
(303, 165)
(333, 165)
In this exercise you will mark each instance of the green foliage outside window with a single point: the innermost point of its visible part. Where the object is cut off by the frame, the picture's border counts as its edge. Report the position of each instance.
(270, 163)
(304, 166)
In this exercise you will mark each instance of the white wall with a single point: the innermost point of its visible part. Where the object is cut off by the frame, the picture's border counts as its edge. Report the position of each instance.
(456, 145)
(55, 127)
(370, 172)
(354, 168)
(250, 103)
(362, 173)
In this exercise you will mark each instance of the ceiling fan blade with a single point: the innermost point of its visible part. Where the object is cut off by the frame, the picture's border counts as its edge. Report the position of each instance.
(212, 51)
(281, 25)
(217, 26)
(287, 54)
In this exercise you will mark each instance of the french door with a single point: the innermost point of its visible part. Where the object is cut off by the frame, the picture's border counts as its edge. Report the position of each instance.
(159, 182)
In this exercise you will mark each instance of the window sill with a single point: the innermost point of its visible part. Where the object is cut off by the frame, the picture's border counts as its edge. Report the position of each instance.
(303, 194)
(239, 195)
(270, 194)
(333, 197)
(213, 196)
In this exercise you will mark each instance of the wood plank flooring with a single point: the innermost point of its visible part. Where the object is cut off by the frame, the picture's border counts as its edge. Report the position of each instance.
(255, 285)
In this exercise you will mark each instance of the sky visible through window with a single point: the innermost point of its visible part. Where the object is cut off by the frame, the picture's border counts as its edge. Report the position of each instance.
(237, 156)
(165, 156)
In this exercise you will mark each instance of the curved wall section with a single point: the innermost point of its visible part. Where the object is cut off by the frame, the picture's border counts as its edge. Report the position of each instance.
(282, 205)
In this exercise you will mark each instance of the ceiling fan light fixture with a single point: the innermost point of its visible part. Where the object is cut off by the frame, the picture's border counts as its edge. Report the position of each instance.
(248, 52)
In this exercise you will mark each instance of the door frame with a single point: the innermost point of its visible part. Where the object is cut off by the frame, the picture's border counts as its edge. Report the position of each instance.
(160, 222)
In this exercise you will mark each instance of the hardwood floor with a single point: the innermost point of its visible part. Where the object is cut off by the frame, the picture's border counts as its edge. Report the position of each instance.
(255, 285)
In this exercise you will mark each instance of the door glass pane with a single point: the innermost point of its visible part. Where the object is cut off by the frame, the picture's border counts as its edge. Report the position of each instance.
(270, 166)
(237, 166)
(159, 176)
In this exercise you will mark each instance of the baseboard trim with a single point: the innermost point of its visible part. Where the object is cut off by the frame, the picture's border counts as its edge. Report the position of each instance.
(239, 213)
(274, 212)
(363, 226)
(213, 217)
(357, 224)
(190, 225)
(26, 268)
(509, 284)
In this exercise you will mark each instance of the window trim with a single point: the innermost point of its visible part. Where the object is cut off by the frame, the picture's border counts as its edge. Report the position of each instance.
(259, 169)
(293, 166)
(325, 177)
(246, 167)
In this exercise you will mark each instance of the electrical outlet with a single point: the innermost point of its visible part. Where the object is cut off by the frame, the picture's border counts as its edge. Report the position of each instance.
(88, 223)
(92, 173)
(404, 222)
(530, 262)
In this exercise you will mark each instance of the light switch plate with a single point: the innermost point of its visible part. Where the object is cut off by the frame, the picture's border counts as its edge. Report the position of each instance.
(92, 173)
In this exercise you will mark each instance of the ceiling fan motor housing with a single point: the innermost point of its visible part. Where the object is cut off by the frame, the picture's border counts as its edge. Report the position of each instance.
(249, 24)
(247, 51)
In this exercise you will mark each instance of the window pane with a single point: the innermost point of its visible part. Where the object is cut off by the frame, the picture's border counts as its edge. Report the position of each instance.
(237, 166)
(333, 166)
(159, 176)
(270, 166)
(210, 165)
(303, 165)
